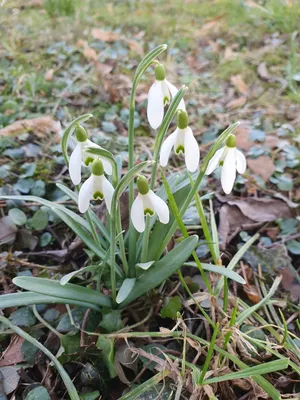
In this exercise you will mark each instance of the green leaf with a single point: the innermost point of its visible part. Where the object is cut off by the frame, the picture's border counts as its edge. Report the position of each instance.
(145, 265)
(111, 320)
(45, 239)
(293, 246)
(90, 396)
(26, 298)
(70, 343)
(69, 291)
(162, 269)
(66, 278)
(68, 132)
(262, 369)
(171, 308)
(106, 346)
(23, 317)
(18, 216)
(38, 393)
(125, 289)
(219, 270)
(66, 325)
(40, 220)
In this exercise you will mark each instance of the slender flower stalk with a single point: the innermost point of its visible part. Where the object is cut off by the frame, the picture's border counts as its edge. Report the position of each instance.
(147, 203)
(80, 156)
(183, 142)
(230, 159)
(159, 96)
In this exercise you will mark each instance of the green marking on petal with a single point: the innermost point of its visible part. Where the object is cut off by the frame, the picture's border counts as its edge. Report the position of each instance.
(88, 160)
(166, 100)
(180, 149)
(98, 196)
(148, 211)
(221, 163)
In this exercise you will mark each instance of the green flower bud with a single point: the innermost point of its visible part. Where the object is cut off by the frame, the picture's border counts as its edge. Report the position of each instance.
(142, 185)
(182, 119)
(97, 168)
(231, 141)
(160, 72)
(81, 134)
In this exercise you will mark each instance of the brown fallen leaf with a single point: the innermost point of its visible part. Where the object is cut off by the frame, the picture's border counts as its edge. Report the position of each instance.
(243, 141)
(262, 166)
(135, 46)
(105, 36)
(8, 230)
(242, 214)
(103, 69)
(252, 293)
(239, 84)
(13, 354)
(263, 71)
(290, 284)
(49, 75)
(88, 52)
(39, 126)
(237, 103)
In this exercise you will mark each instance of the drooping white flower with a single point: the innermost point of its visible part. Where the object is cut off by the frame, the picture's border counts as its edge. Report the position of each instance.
(95, 187)
(183, 141)
(147, 203)
(231, 160)
(159, 96)
(80, 156)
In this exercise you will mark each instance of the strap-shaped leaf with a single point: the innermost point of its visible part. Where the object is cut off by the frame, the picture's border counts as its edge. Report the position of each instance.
(27, 298)
(162, 269)
(68, 291)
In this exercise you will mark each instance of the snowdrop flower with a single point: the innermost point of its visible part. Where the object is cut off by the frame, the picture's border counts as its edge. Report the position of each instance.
(81, 157)
(183, 141)
(147, 203)
(159, 96)
(95, 187)
(231, 160)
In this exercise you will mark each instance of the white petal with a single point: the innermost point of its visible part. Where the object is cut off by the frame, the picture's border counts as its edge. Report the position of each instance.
(166, 92)
(108, 191)
(214, 161)
(159, 206)
(155, 108)
(173, 89)
(191, 150)
(241, 163)
(85, 194)
(166, 149)
(75, 165)
(137, 214)
(228, 173)
(106, 165)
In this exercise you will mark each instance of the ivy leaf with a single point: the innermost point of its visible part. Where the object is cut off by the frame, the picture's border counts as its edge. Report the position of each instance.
(172, 306)
(111, 320)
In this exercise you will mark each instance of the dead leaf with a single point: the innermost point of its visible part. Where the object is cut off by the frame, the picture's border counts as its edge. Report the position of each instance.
(290, 284)
(262, 166)
(8, 230)
(135, 46)
(49, 75)
(243, 141)
(237, 103)
(103, 69)
(263, 71)
(39, 126)
(10, 378)
(252, 293)
(13, 354)
(229, 54)
(210, 27)
(242, 214)
(239, 84)
(105, 36)
(88, 52)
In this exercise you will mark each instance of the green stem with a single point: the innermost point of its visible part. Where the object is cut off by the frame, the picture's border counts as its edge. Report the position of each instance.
(179, 221)
(209, 353)
(144, 64)
(121, 241)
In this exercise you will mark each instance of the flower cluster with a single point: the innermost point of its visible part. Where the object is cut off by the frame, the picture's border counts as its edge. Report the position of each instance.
(182, 141)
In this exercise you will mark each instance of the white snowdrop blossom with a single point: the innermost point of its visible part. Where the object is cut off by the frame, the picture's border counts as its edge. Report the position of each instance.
(230, 159)
(97, 186)
(183, 141)
(159, 96)
(147, 203)
(81, 157)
